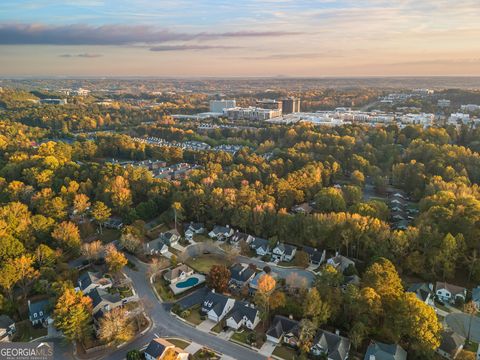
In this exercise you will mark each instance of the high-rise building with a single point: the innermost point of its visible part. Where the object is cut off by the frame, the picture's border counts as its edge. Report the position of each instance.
(290, 105)
(217, 106)
(269, 104)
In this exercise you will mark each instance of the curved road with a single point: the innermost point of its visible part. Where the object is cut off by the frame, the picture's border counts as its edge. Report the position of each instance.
(460, 322)
(164, 324)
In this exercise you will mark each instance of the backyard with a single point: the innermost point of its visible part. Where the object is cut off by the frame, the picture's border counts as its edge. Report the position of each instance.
(192, 315)
(285, 352)
(26, 332)
(248, 337)
(203, 263)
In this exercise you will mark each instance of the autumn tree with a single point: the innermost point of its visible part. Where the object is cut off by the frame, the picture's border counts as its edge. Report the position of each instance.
(92, 251)
(383, 278)
(115, 259)
(315, 309)
(306, 335)
(81, 203)
(73, 314)
(218, 278)
(265, 290)
(101, 213)
(116, 326)
(67, 236)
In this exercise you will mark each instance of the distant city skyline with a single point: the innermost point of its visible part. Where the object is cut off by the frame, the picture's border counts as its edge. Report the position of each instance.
(249, 38)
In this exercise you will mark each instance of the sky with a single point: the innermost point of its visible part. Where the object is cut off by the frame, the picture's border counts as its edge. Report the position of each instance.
(313, 38)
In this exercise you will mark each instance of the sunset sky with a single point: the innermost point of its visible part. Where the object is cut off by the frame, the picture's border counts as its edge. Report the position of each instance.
(239, 38)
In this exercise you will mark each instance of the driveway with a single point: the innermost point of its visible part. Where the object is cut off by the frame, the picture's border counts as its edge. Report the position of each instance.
(459, 322)
(206, 325)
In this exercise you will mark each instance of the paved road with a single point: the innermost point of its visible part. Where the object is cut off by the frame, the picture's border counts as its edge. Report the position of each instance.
(164, 324)
(459, 322)
(199, 248)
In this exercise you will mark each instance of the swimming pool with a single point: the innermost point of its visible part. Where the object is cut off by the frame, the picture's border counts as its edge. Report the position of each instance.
(191, 281)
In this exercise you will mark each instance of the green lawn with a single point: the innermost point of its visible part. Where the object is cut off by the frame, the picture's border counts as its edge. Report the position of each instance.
(26, 332)
(241, 337)
(194, 317)
(182, 344)
(203, 263)
(219, 327)
(109, 235)
(201, 238)
(471, 346)
(206, 354)
(285, 352)
(162, 288)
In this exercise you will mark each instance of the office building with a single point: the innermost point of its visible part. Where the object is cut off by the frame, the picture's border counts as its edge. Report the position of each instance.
(290, 105)
(269, 104)
(217, 106)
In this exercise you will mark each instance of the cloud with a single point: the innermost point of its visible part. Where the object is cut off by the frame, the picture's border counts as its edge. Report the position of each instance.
(83, 55)
(293, 56)
(80, 34)
(162, 48)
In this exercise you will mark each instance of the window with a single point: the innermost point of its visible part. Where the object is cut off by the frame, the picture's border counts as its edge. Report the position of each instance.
(35, 315)
(41, 313)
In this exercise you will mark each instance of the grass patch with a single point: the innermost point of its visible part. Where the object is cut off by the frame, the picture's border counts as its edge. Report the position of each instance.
(194, 315)
(182, 344)
(109, 235)
(218, 328)
(249, 337)
(442, 307)
(471, 346)
(285, 352)
(162, 288)
(241, 337)
(201, 238)
(206, 354)
(204, 263)
(26, 332)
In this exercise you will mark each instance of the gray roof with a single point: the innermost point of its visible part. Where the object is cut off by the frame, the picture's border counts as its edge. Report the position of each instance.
(451, 341)
(382, 351)
(259, 243)
(216, 302)
(422, 290)
(98, 295)
(221, 230)
(282, 325)
(241, 309)
(476, 294)
(37, 306)
(155, 349)
(86, 279)
(195, 298)
(239, 236)
(240, 273)
(314, 254)
(5, 321)
(335, 345)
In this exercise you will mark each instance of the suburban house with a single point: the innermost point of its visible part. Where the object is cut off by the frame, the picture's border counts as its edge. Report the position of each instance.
(261, 246)
(351, 280)
(90, 280)
(240, 236)
(304, 208)
(178, 273)
(451, 344)
(476, 296)
(159, 349)
(243, 314)
(334, 346)
(380, 351)
(316, 257)
(39, 312)
(113, 223)
(450, 293)
(156, 247)
(423, 292)
(171, 237)
(340, 262)
(216, 306)
(7, 328)
(241, 274)
(284, 252)
(283, 330)
(193, 229)
(221, 232)
(102, 299)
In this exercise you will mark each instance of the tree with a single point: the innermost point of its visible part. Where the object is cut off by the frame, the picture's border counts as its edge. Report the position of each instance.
(9, 277)
(93, 250)
(177, 213)
(10, 247)
(81, 203)
(45, 256)
(131, 242)
(330, 199)
(120, 193)
(134, 355)
(73, 314)
(115, 259)
(306, 335)
(24, 270)
(466, 355)
(383, 278)
(302, 259)
(218, 278)
(100, 213)
(471, 309)
(277, 300)
(357, 334)
(265, 289)
(315, 309)
(67, 235)
(116, 327)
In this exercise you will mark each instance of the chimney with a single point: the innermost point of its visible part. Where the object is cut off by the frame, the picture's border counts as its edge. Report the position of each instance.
(213, 291)
(290, 317)
(337, 332)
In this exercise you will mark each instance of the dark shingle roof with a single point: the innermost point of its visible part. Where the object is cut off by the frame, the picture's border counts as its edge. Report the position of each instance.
(421, 290)
(86, 279)
(335, 345)
(282, 325)
(240, 273)
(451, 341)
(315, 255)
(155, 349)
(195, 298)
(98, 295)
(259, 243)
(241, 309)
(37, 306)
(382, 351)
(5, 321)
(215, 302)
